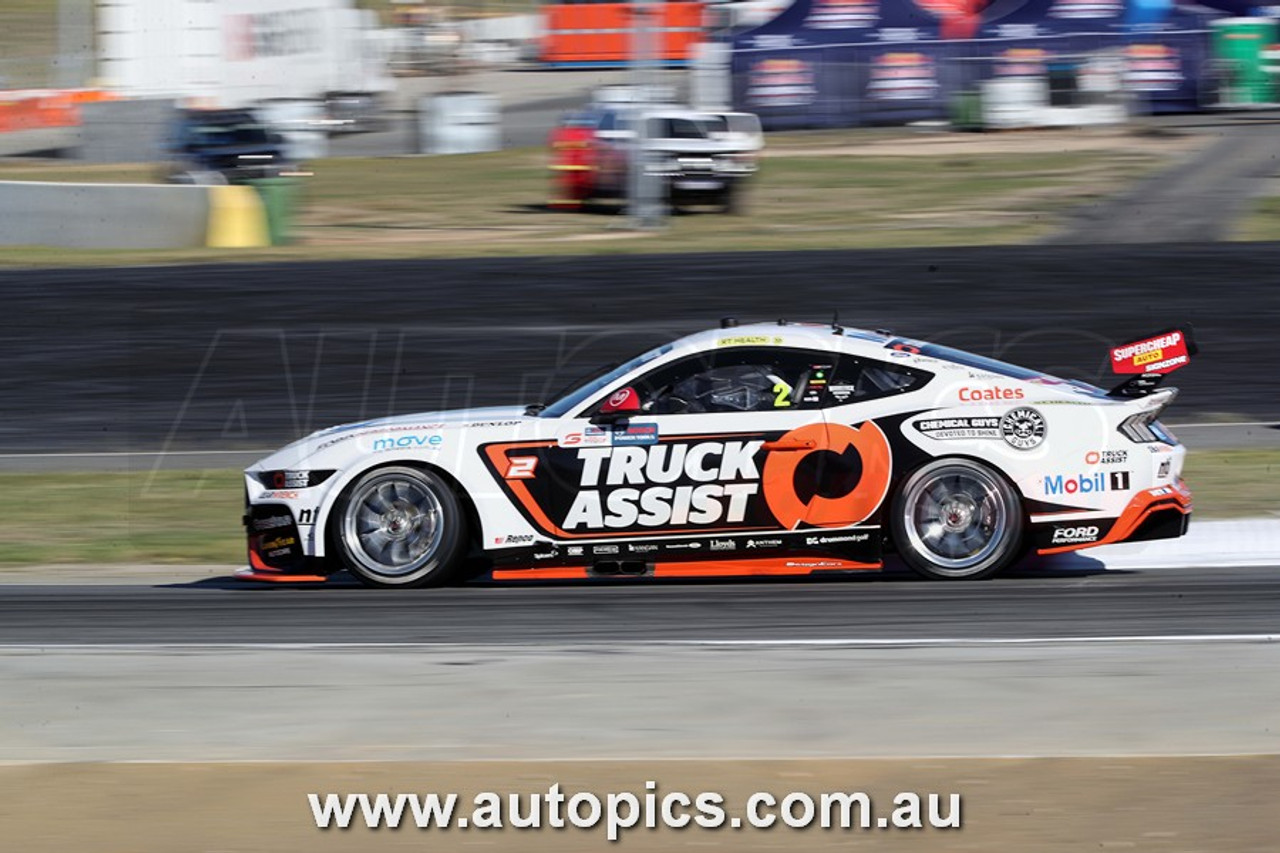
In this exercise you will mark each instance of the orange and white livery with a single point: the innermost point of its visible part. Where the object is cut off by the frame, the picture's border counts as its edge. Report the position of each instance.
(764, 449)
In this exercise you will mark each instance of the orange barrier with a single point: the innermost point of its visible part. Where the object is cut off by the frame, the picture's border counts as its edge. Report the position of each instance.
(35, 110)
(594, 33)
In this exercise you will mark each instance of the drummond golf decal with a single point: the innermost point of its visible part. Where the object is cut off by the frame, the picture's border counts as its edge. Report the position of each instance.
(819, 475)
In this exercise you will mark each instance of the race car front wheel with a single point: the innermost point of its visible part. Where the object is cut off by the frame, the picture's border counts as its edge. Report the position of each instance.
(401, 527)
(957, 519)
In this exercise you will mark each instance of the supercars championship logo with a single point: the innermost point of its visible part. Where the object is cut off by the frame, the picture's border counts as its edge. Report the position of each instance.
(782, 83)
(843, 14)
(903, 76)
(820, 475)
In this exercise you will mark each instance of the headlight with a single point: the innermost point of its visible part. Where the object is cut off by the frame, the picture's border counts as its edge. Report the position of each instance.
(292, 479)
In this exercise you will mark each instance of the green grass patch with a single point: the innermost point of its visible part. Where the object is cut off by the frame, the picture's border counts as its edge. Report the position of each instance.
(1261, 223)
(1234, 483)
(193, 517)
(175, 517)
(494, 204)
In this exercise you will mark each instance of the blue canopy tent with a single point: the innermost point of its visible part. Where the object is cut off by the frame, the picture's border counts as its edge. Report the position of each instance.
(838, 63)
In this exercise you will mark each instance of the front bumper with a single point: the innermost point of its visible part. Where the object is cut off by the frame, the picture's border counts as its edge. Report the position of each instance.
(275, 547)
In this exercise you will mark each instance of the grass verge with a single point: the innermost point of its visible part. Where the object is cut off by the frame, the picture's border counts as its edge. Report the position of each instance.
(814, 191)
(1261, 223)
(192, 517)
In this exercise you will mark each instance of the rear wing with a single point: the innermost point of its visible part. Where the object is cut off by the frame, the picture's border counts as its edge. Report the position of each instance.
(1149, 360)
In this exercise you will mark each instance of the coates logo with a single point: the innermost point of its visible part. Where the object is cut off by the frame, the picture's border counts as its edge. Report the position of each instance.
(988, 395)
(1162, 353)
(822, 475)
(1074, 535)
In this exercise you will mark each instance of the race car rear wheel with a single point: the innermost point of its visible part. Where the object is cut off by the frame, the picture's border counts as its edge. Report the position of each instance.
(957, 519)
(402, 527)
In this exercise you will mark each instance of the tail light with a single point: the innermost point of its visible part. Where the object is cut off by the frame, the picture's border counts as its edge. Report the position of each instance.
(1143, 428)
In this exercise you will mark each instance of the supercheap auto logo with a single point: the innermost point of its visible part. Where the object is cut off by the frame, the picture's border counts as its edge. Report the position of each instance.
(820, 475)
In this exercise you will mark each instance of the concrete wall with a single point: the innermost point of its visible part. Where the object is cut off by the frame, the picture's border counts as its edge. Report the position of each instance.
(125, 131)
(127, 216)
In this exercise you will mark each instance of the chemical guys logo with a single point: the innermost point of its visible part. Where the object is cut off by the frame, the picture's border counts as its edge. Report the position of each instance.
(819, 475)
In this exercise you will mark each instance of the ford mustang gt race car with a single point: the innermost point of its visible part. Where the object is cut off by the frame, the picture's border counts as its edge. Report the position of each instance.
(764, 449)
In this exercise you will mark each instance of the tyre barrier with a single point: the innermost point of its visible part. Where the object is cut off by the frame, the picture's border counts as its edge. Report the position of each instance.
(131, 216)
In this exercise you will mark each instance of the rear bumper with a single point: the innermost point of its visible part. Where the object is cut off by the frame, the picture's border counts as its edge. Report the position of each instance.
(1160, 513)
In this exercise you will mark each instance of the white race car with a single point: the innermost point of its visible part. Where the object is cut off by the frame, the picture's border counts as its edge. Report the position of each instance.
(767, 449)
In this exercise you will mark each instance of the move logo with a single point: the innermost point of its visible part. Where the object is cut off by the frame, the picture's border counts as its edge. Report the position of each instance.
(408, 442)
(1086, 484)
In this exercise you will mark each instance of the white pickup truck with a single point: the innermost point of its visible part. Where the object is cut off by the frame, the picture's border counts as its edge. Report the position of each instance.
(703, 157)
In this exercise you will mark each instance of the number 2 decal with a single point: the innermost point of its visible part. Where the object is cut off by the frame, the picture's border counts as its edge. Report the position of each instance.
(783, 390)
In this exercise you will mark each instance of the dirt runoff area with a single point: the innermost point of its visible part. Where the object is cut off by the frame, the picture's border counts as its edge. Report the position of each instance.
(1178, 805)
(941, 143)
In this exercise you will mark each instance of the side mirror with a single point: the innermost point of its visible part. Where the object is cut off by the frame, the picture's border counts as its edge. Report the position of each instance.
(621, 404)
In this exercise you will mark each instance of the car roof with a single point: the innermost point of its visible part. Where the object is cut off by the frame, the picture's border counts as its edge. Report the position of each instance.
(823, 336)
(876, 344)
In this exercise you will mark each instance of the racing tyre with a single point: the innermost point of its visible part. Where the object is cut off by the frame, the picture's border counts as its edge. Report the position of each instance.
(400, 527)
(956, 519)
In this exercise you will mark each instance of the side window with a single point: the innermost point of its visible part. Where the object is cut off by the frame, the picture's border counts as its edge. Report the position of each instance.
(859, 379)
(738, 379)
(682, 128)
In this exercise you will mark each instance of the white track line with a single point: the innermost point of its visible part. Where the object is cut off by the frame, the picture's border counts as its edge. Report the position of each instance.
(1224, 424)
(627, 758)
(847, 642)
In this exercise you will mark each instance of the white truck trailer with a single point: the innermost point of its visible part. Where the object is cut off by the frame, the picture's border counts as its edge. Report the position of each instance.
(238, 53)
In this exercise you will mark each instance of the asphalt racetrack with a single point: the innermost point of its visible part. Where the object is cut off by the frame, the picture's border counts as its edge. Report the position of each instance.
(1078, 602)
(251, 356)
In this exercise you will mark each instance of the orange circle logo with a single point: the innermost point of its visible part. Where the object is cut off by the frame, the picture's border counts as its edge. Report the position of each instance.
(827, 475)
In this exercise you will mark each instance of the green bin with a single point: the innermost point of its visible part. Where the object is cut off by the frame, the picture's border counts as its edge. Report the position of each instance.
(1238, 43)
(966, 110)
(280, 202)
